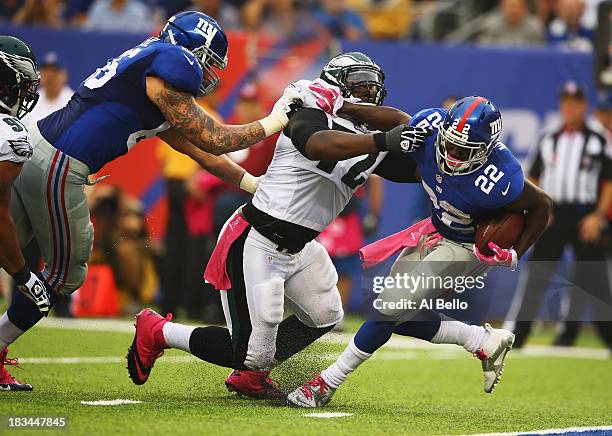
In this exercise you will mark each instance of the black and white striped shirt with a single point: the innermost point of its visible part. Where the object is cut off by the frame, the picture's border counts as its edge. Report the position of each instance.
(571, 164)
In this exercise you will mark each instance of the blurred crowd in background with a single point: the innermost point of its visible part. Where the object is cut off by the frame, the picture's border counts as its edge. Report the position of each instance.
(566, 23)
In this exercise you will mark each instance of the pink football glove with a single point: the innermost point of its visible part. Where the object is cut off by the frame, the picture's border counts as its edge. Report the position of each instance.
(328, 97)
(503, 256)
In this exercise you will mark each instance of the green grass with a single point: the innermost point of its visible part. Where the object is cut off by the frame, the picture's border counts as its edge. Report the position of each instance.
(421, 395)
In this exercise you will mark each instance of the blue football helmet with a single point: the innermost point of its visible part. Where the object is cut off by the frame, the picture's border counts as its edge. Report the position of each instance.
(468, 135)
(205, 38)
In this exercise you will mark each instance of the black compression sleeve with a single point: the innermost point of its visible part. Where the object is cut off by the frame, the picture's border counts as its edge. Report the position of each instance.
(305, 123)
(398, 167)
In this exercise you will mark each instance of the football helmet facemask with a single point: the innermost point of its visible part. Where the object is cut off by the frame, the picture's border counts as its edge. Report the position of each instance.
(205, 38)
(467, 136)
(357, 76)
(19, 78)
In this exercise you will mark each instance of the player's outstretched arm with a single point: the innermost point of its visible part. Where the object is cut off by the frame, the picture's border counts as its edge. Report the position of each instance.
(183, 113)
(220, 166)
(382, 118)
(539, 206)
(310, 133)
(333, 145)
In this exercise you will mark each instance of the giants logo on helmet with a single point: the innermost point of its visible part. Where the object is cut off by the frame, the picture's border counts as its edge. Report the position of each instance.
(207, 30)
(496, 127)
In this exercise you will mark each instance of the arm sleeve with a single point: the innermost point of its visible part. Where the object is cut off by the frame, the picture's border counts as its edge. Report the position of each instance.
(398, 168)
(177, 67)
(305, 123)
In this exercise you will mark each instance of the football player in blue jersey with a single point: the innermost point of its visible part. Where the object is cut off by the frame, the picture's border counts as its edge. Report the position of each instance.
(147, 91)
(467, 172)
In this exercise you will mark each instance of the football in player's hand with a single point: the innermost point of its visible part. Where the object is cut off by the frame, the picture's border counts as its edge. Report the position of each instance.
(504, 228)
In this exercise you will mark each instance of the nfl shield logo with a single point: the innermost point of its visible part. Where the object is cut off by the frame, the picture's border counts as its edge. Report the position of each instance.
(438, 178)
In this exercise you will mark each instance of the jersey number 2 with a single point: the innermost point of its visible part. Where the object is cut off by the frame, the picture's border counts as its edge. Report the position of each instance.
(486, 184)
(352, 178)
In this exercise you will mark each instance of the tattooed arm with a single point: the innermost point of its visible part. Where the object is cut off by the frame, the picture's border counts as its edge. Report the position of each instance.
(220, 166)
(191, 121)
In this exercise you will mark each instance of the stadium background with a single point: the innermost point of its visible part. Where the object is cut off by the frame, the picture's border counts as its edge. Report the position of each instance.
(410, 387)
(522, 81)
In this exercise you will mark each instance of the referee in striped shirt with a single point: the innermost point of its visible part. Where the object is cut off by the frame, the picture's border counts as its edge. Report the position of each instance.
(573, 164)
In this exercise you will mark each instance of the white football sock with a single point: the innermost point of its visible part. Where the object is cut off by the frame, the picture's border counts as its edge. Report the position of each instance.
(451, 331)
(177, 335)
(348, 362)
(9, 332)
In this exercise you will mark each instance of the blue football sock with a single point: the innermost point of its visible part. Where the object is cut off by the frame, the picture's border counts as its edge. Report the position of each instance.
(423, 326)
(373, 334)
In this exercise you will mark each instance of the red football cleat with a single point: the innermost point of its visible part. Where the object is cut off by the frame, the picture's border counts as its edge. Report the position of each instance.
(254, 384)
(7, 381)
(148, 344)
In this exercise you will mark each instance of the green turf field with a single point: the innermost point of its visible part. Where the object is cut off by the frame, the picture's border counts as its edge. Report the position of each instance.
(403, 390)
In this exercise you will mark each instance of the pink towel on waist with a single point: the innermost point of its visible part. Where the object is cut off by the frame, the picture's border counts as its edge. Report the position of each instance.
(216, 271)
(383, 249)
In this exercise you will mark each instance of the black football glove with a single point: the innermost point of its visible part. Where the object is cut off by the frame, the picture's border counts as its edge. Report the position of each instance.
(402, 139)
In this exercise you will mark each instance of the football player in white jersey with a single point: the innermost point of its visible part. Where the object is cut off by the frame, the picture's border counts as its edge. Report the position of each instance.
(267, 255)
(19, 82)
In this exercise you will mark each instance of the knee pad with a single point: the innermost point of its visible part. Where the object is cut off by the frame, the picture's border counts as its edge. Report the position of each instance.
(81, 251)
(74, 279)
(328, 310)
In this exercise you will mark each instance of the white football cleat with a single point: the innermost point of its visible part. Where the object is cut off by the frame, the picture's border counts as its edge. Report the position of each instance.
(313, 393)
(492, 355)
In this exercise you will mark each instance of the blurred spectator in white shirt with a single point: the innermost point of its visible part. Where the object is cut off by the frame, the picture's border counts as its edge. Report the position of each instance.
(511, 25)
(567, 30)
(54, 91)
(120, 15)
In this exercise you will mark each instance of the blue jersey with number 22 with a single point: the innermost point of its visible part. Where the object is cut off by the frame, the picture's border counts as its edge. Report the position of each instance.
(460, 201)
(110, 110)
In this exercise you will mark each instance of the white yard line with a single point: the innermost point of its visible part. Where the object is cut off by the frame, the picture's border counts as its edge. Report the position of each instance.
(86, 324)
(99, 359)
(434, 351)
(117, 402)
(386, 354)
(327, 415)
